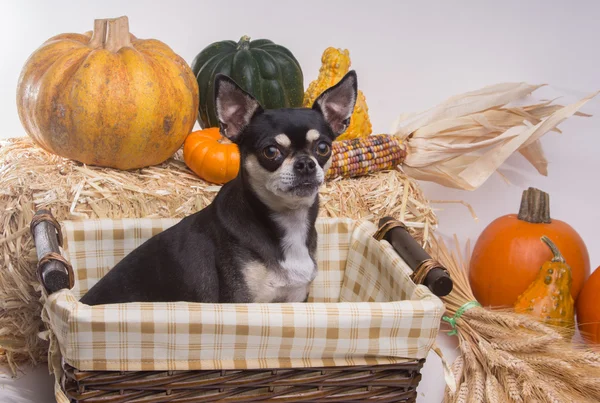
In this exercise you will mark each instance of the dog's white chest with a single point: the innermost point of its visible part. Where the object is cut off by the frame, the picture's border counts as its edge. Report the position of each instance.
(298, 270)
(298, 266)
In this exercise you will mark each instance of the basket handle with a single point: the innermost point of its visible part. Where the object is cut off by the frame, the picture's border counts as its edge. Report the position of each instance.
(54, 271)
(426, 270)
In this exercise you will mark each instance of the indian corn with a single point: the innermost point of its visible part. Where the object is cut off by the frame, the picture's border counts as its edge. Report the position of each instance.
(365, 155)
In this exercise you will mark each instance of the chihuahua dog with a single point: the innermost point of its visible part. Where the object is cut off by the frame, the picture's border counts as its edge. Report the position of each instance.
(256, 242)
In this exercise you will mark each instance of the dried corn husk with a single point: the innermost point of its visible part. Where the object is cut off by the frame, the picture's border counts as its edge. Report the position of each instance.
(510, 357)
(31, 179)
(464, 140)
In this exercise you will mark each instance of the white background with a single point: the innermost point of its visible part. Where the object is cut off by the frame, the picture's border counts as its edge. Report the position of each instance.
(408, 56)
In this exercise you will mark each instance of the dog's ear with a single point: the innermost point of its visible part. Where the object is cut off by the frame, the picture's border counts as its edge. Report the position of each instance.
(234, 107)
(337, 103)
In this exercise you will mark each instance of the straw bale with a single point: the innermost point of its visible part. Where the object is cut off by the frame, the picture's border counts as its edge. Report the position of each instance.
(32, 179)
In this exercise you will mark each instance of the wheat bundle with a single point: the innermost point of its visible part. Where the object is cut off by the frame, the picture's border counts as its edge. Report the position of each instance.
(510, 357)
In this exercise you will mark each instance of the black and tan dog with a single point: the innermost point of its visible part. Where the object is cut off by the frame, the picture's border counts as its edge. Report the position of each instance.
(256, 242)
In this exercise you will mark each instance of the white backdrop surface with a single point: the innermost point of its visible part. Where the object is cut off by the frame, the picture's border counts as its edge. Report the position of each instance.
(409, 56)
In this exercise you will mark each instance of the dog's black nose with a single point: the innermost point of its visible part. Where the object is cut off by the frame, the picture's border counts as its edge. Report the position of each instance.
(305, 165)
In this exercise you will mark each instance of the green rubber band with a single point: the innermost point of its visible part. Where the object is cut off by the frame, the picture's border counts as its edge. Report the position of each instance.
(458, 314)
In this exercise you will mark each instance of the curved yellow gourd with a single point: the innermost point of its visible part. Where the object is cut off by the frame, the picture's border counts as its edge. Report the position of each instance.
(335, 64)
(548, 297)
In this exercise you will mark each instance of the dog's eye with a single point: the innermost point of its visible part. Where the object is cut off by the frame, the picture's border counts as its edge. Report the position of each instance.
(271, 152)
(323, 149)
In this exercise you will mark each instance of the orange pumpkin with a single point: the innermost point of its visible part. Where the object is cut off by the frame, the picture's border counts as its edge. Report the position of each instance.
(107, 98)
(588, 308)
(508, 254)
(211, 156)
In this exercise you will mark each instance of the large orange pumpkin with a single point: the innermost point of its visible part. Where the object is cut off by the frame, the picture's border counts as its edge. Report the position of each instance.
(211, 156)
(107, 98)
(508, 254)
(588, 308)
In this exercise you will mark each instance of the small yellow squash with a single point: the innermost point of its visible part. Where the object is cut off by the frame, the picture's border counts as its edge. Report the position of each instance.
(335, 64)
(548, 296)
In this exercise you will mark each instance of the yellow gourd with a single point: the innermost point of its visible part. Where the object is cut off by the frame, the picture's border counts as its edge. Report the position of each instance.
(548, 296)
(335, 64)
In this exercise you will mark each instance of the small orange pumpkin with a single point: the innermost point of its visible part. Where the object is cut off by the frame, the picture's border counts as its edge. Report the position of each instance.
(588, 309)
(211, 156)
(508, 254)
(548, 297)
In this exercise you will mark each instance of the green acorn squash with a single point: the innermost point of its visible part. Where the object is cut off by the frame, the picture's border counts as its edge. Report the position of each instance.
(268, 71)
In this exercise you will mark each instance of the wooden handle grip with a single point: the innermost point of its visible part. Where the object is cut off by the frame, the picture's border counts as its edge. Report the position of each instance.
(437, 279)
(53, 274)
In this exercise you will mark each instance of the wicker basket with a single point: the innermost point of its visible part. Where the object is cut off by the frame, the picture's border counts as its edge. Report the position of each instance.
(362, 336)
(379, 383)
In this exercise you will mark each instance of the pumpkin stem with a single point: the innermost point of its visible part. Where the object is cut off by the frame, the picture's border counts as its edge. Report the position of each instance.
(244, 43)
(558, 257)
(535, 206)
(99, 34)
(111, 34)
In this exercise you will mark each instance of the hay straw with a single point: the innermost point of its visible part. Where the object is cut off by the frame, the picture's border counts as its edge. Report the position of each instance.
(31, 179)
(515, 357)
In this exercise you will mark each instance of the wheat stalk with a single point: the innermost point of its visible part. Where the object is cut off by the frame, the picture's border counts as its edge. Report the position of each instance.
(493, 391)
(510, 357)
